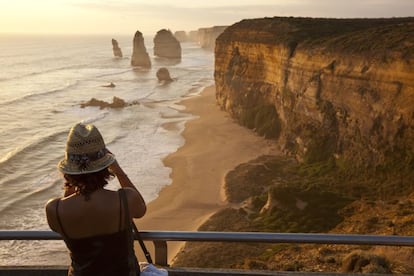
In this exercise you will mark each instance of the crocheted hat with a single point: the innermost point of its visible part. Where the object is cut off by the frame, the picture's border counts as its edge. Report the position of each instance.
(85, 151)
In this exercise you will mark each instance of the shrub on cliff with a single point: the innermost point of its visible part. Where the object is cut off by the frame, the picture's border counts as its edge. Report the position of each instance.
(263, 119)
(314, 197)
(359, 261)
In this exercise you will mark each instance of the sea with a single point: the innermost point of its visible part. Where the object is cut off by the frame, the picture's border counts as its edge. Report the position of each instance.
(43, 82)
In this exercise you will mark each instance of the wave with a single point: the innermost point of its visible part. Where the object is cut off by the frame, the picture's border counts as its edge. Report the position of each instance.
(35, 146)
(18, 154)
(41, 94)
(41, 186)
(17, 183)
(58, 90)
(147, 96)
(93, 119)
(47, 71)
(112, 73)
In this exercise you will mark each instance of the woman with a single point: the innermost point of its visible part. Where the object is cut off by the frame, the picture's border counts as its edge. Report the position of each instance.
(90, 218)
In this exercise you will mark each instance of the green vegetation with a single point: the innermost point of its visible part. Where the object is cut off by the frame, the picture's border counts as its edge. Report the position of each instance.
(318, 214)
(360, 261)
(263, 119)
(301, 198)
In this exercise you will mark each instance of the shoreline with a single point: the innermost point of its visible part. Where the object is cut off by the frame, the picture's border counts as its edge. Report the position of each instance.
(214, 145)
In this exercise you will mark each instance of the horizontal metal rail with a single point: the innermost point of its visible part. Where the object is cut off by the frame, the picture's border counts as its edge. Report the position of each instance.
(264, 237)
(160, 238)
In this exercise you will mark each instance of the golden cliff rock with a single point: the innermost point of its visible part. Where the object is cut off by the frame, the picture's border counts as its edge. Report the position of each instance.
(340, 89)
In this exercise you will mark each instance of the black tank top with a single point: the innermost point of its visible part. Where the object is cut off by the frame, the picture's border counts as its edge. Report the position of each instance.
(102, 255)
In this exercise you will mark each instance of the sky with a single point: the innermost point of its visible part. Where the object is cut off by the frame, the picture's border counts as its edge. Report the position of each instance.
(125, 17)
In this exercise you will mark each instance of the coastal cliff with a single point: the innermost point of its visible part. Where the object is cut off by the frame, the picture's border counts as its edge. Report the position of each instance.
(324, 88)
(337, 95)
(207, 36)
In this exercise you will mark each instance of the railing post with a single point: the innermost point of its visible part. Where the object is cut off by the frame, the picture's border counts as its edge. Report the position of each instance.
(161, 252)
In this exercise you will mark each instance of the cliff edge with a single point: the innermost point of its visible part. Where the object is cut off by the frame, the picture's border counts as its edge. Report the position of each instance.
(339, 89)
(337, 95)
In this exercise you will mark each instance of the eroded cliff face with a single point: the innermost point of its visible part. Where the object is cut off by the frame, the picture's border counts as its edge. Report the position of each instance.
(207, 36)
(325, 88)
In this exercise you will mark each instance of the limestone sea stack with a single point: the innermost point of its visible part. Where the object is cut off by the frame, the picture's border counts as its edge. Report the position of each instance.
(115, 48)
(166, 45)
(181, 36)
(326, 89)
(163, 75)
(193, 36)
(140, 55)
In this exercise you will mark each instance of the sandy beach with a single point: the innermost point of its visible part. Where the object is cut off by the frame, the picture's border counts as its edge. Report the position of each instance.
(214, 144)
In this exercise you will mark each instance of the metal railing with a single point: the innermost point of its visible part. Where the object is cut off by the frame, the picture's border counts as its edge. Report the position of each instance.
(160, 239)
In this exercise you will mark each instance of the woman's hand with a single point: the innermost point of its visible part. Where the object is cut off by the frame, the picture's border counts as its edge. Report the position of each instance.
(116, 169)
(123, 178)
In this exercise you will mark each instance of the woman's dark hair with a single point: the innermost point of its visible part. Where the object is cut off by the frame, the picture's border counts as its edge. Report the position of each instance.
(89, 182)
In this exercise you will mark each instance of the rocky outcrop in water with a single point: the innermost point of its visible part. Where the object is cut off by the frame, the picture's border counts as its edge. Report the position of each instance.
(163, 75)
(140, 56)
(115, 48)
(166, 45)
(116, 103)
(340, 89)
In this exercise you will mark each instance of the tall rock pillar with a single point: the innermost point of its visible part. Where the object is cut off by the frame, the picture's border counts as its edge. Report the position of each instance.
(115, 48)
(140, 56)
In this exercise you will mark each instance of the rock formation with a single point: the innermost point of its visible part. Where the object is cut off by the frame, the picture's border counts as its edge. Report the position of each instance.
(193, 36)
(115, 48)
(110, 85)
(116, 103)
(181, 36)
(140, 56)
(340, 89)
(164, 75)
(166, 45)
(207, 36)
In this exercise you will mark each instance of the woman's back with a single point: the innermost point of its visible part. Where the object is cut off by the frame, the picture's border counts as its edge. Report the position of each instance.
(91, 219)
(100, 214)
(94, 233)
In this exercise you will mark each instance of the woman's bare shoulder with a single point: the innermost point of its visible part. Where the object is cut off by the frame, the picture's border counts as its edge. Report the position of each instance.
(51, 203)
(136, 202)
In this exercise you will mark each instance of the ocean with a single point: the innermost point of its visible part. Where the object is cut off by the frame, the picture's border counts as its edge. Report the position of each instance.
(43, 82)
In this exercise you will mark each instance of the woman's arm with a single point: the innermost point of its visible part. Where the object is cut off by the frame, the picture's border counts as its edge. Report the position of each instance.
(123, 178)
(136, 202)
(51, 215)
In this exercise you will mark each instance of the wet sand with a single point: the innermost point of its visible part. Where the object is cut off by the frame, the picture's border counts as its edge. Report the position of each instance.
(214, 144)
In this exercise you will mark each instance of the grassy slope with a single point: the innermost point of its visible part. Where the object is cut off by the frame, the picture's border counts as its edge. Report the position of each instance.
(333, 203)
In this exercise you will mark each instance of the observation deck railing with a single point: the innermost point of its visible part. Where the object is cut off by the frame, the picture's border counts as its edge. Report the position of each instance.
(160, 239)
